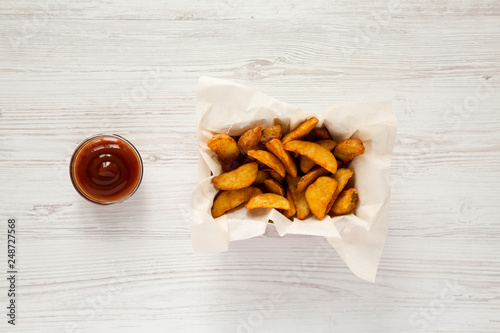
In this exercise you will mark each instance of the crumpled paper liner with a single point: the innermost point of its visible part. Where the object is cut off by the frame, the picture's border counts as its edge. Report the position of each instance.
(227, 107)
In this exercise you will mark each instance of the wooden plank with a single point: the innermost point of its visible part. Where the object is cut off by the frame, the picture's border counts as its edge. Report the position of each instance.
(72, 69)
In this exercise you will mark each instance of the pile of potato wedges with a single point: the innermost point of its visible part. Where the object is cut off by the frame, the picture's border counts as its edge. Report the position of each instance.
(302, 172)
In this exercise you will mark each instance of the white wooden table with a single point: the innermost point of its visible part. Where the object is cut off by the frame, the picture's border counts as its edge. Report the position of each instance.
(70, 69)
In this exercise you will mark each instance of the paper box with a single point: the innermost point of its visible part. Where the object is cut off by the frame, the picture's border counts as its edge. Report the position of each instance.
(226, 107)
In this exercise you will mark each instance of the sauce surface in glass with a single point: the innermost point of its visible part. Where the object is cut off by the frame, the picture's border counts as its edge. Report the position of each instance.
(106, 169)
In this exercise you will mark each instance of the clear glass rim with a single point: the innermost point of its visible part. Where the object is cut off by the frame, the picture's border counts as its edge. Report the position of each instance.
(77, 151)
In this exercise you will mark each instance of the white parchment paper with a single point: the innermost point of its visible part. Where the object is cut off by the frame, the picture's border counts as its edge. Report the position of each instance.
(227, 107)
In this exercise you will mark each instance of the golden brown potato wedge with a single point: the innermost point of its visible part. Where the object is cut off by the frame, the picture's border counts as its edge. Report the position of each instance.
(322, 134)
(275, 175)
(348, 149)
(273, 132)
(342, 176)
(319, 194)
(346, 202)
(300, 131)
(227, 200)
(310, 178)
(242, 177)
(327, 144)
(315, 152)
(316, 134)
(272, 186)
(225, 147)
(261, 176)
(276, 147)
(290, 212)
(231, 165)
(268, 159)
(250, 140)
(306, 164)
(268, 200)
(299, 199)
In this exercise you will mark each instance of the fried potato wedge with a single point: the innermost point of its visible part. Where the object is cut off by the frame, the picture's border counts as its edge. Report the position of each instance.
(315, 152)
(276, 147)
(322, 134)
(346, 202)
(272, 186)
(276, 176)
(306, 164)
(292, 211)
(268, 159)
(268, 200)
(348, 149)
(231, 165)
(231, 199)
(300, 131)
(319, 194)
(224, 147)
(299, 199)
(327, 144)
(250, 140)
(242, 177)
(261, 176)
(270, 133)
(316, 134)
(310, 178)
(342, 176)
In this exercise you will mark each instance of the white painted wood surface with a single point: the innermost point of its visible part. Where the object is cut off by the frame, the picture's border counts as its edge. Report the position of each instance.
(70, 69)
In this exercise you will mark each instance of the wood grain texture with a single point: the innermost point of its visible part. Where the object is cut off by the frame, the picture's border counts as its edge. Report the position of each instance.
(71, 69)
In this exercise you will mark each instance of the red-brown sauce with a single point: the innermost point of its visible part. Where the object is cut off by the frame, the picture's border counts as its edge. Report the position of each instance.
(106, 169)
